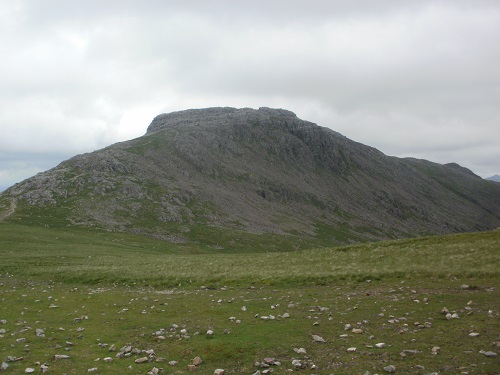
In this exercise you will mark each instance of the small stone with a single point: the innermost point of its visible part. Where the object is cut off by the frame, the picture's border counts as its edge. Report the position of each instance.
(219, 371)
(473, 334)
(4, 366)
(191, 368)
(61, 356)
(173, 363)
(142, 360)
(93, 369)
(351, 350)
(317, 338)
(488, 353)
(380, 345)
(300, 351)
(210, 332)
(357, 331)
(44, 368)
(390, 368)
(29, 370)
(197, 361)
(108, 359)
(435, 350)
(40, 332)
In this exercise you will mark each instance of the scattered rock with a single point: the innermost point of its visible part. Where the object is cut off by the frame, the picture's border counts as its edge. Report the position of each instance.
(300, 350)
(473, 334)
(435, 350)
(390, 368)
(191, 367)
(173, 363)
(488, 353)
(197, 361)
(380, 345)
(219, 371)
(61, 356)
(29, 370)
(317, 338)
(93, 369)
(298, 364)
(357, 331)
(351, 350)
(4, 366)
(142, 360)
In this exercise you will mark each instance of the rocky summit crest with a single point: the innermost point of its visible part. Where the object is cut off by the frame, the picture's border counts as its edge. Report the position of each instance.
(215, 174)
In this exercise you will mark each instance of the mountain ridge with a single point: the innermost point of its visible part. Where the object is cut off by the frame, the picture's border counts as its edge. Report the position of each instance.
(259, 171)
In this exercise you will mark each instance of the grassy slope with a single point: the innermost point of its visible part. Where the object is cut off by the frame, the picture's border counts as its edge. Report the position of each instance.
(89, 256)
(105, 276)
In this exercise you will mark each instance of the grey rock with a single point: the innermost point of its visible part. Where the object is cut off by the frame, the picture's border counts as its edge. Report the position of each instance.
(61, 356)
(488, 353)
(197, 361)
(390, 368)
(317, 338)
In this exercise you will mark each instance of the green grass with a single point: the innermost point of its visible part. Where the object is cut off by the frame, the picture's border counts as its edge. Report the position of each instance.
(131, 286)
(90, 256)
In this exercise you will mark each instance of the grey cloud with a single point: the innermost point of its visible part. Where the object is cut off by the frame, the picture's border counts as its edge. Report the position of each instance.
(410, 78)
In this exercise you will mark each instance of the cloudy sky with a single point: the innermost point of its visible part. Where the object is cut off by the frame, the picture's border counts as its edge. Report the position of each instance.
(411, 78)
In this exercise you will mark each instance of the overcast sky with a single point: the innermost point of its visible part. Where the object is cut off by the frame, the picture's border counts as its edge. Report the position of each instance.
(411, 78)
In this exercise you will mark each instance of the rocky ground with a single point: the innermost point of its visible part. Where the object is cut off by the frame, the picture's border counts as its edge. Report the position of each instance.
(373, 327)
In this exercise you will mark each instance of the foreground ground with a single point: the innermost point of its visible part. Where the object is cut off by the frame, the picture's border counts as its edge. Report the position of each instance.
(421, 315)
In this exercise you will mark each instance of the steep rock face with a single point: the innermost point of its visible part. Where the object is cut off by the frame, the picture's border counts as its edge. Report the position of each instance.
(261, 171)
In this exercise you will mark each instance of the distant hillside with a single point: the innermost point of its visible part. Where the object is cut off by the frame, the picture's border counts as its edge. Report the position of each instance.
(219, 174)
(495, 178)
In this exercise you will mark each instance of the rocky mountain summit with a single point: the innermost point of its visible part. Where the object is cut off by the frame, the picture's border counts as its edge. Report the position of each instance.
(265, 171)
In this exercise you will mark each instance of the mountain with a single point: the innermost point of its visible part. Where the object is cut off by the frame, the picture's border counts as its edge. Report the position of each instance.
(220, 174)
(495, 178)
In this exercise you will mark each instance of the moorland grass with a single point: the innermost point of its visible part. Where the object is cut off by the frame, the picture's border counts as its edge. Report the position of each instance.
(84, 256)
(131, 286)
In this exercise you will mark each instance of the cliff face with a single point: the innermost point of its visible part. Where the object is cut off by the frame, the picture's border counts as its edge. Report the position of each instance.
(259, 171)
